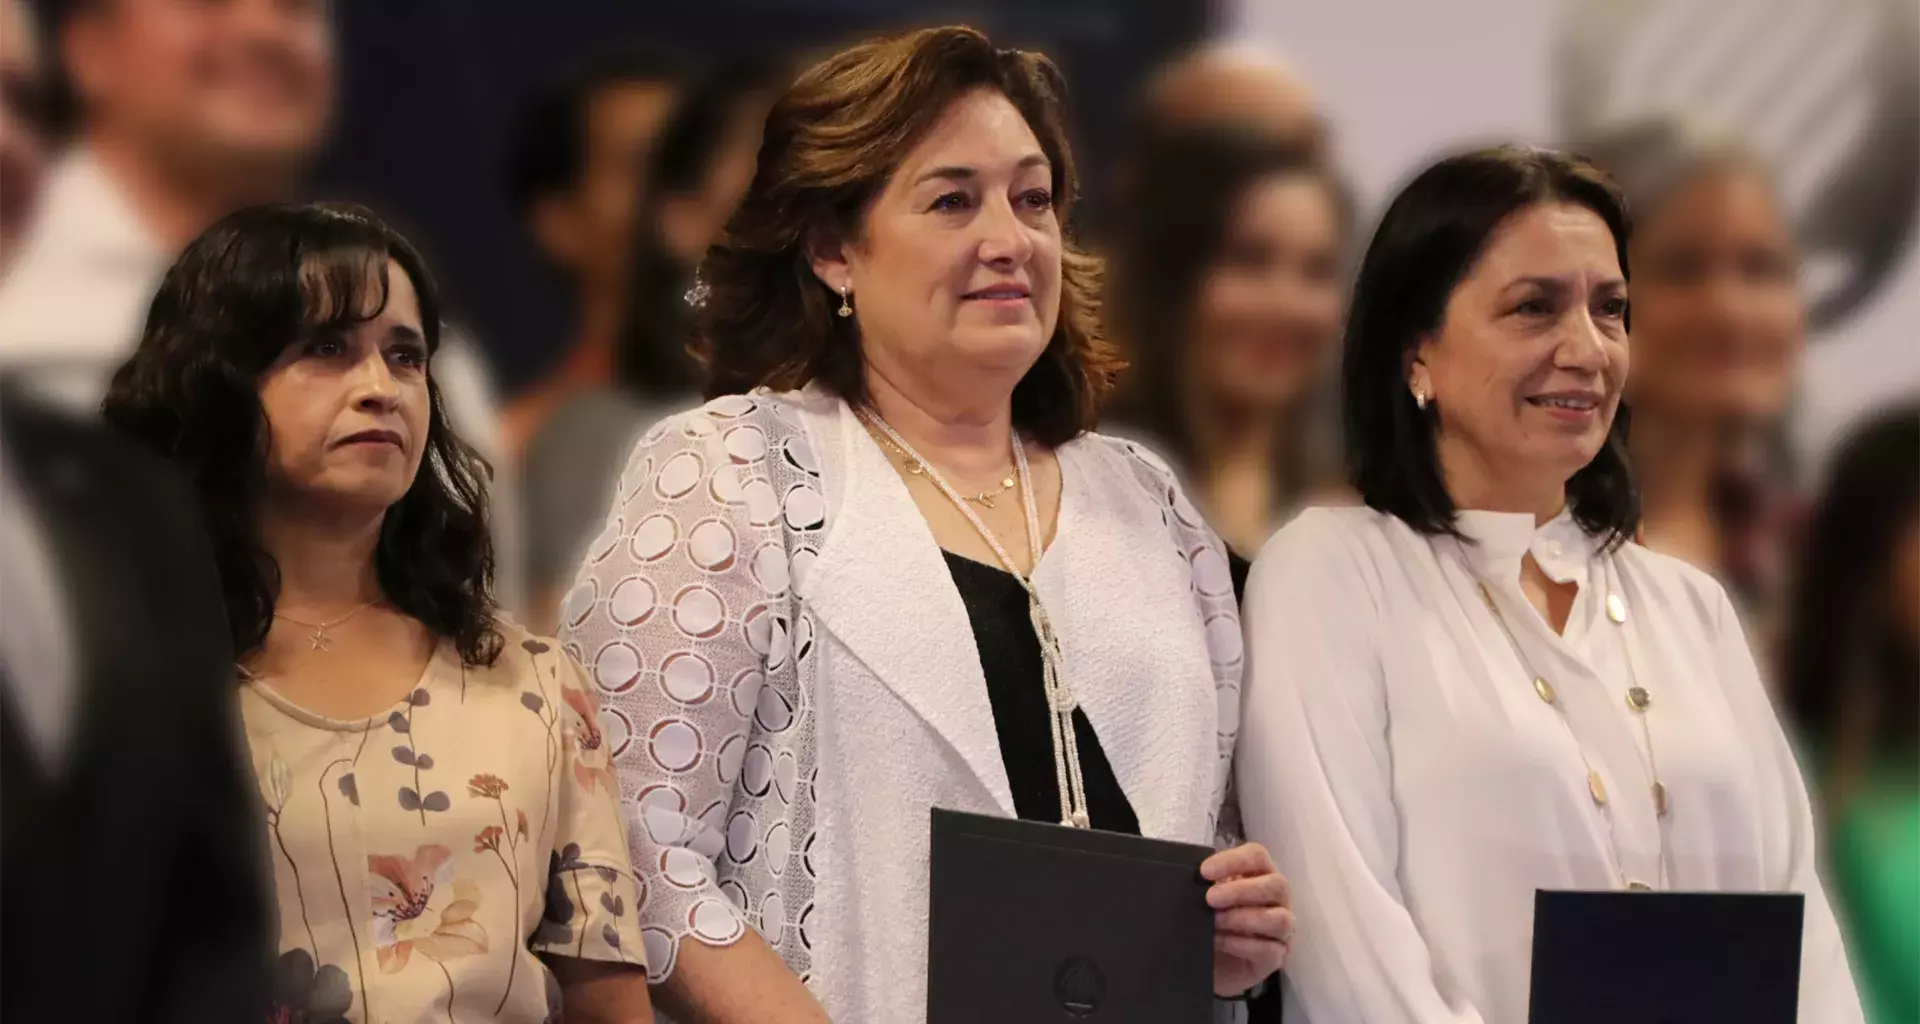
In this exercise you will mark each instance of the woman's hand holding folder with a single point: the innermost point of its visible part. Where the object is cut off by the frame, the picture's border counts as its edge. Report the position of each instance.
(1252, 917)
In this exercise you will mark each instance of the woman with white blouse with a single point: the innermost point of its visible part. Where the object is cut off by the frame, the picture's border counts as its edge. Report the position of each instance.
(1476, 686)
(890, 569)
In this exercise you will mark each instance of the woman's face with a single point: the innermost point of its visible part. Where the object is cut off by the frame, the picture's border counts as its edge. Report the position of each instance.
(1526, 369)
(348, 411)
(1718, 318)
(956, 276)
(1268, 312)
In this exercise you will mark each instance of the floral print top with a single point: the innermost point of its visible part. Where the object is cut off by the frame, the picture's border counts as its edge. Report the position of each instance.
(424, 856)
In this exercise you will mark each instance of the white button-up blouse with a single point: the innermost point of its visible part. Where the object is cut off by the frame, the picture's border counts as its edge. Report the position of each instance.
(1412, 783)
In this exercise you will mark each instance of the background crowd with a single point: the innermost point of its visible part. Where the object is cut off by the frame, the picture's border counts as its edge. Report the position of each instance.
(565, 167)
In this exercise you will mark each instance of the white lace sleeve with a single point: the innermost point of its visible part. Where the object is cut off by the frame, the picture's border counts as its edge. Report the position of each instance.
(680, 616)
(1218, 614)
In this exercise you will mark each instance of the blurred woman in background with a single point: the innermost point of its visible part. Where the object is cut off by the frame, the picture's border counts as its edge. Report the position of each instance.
(1228, 286)
(1852, 685)
(1718, 327)
(702, 162)
(446, 832)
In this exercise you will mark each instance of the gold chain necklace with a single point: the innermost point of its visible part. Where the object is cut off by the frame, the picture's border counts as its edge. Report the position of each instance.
(319, 638)
(917, 466)
(1061, 701)
(1638, 701)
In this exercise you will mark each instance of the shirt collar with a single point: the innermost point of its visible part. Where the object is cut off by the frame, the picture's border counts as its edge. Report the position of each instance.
(1561, 546)
(87, 210)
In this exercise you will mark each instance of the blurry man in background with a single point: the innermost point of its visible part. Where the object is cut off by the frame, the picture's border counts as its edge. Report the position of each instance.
(577, 177)
(183, 110)
(132, 870)
(22, 138)
(1234, 85)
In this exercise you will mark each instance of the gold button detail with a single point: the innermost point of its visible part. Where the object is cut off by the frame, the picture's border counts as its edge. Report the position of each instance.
(1616, 608)
(1635, 885)
(1597, 788)
(1638, 698)
(1660, 799)
(1486, 596)
(1543, 688)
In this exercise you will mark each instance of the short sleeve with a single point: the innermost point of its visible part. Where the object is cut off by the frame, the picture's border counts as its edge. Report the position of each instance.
(682, 612)
(593, 899)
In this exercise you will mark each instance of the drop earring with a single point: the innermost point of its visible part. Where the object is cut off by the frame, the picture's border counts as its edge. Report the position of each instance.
(846, 307)
(1420, 397)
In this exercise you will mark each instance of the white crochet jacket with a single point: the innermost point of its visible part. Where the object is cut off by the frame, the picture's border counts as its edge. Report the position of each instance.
(789, 680)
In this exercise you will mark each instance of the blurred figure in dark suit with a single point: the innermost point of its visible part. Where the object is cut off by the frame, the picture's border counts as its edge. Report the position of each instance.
(131, 879)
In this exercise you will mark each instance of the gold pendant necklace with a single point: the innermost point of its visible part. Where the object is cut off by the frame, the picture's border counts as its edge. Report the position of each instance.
(319, 639)
(915, 467)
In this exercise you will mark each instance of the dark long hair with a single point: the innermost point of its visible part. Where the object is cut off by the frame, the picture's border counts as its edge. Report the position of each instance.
(251, 285)
(1850, 676)
(1185, 186)
(1427, 242)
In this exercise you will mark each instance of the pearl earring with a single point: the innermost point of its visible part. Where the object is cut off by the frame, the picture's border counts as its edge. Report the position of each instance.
(846, 307)
(1420, 396)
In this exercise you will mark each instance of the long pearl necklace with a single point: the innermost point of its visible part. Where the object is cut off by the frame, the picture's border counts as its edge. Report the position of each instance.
(1638, 701)
(1060, 696)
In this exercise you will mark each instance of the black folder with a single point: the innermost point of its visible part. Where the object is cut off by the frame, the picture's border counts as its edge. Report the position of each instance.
(1666, 958)
(1034, 923)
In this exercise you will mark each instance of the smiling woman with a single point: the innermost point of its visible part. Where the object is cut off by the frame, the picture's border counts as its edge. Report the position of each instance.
(878, 573)
(1478, 687)
(286, 367)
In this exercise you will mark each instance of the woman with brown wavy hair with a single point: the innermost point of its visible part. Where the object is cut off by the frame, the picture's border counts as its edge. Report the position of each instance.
(888, 568)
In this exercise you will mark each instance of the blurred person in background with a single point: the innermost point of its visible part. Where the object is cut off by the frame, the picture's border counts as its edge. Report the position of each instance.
(840, 593)
(578, 176)
(1233, 84)
(1851, 684)
(445, 831)
(23, 141)
(133, 879)
(702, 163)
(1228, 288)
(183, 111)
(1718, 328)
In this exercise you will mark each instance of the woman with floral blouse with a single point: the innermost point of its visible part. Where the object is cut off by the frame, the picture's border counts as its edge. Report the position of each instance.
(446, 837)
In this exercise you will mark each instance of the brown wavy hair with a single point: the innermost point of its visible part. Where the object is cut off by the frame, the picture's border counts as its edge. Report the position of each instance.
(832, 141)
